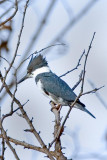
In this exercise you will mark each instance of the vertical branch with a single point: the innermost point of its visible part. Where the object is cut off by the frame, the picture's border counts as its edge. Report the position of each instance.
(25, 116)
(8, 143)
(86, 62)
(2, 143)
(40, 28)
(16, 9)
(57, 126)
(19, 37)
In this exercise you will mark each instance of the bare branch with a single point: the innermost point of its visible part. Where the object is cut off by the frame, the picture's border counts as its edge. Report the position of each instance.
(40, 28)
(80, 79)
(13, 96)
(62, 33)
(8, 143)
(2, 1)
(8, 10)
(93, 91)
(27, 119)
(36, 52)
(86, 62)
(80, 94)
(5, 59)
(24, 144)
(16, 9)
(58, 147)
(19, 37)
(78, 64)
(74, 21)
(98, 95)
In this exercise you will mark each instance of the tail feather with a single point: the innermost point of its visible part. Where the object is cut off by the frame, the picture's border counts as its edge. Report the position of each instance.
(82, 107)
(85, 110)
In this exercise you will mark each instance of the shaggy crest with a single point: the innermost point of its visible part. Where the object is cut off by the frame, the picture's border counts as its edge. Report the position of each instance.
(36, 62)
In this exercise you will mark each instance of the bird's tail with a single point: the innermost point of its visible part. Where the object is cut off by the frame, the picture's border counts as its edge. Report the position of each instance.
(82, 107)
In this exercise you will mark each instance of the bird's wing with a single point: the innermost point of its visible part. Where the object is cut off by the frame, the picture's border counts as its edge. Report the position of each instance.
(56, 86)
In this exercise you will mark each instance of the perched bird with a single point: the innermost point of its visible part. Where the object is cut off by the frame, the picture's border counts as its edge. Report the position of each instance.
(51, 85)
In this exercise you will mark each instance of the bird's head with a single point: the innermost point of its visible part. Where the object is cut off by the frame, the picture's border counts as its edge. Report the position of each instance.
(37, 65)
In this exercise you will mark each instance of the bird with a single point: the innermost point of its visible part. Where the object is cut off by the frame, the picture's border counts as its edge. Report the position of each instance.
(51, 85)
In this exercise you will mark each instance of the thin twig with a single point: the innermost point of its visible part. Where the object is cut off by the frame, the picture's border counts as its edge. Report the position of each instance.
(2, 1)
(93, 91)
(86, 62)
(63, 31)
(24, 144)
(33, 130)
(80, 94)
(19, 37)
(36, 52)
(78, 64)
(98, 95)
(11, 111)
(8, 143)
(9, 9)
(40, 28)
(79, 81)
(73, 21)
(5, 59)
(16, 9)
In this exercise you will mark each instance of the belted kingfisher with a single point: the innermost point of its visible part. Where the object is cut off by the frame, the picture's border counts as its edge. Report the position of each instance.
(51, 85)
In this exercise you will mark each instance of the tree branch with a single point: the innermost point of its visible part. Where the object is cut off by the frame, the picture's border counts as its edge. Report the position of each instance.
(78, 64)
(16, 9)
(27, 119)
(86, 62)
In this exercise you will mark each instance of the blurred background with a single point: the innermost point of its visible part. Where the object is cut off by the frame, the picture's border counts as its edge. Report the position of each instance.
(55, 22)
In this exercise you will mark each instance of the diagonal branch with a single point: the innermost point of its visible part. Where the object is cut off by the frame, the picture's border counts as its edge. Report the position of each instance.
(98, 95)
(8, 143)
(86, 62)
(40, 28)
(93, 91)
(78, 64)
(19, 37)
(24, 144)
(16, 9)
(79, 81)
(77, 98)
(36, 52)
(32, 129)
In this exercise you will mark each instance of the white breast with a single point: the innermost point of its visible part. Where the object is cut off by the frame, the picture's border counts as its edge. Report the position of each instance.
(40, 86)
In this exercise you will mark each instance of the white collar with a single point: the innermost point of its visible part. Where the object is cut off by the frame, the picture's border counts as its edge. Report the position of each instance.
(40, 70)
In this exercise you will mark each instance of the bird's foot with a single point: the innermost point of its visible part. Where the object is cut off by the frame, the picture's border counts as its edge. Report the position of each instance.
(54, 106)
(58, 107)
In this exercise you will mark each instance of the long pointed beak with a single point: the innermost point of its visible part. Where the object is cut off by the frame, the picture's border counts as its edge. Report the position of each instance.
(24, 78)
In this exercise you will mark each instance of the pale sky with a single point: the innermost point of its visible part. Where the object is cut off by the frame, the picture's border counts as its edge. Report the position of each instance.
(90, 132)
